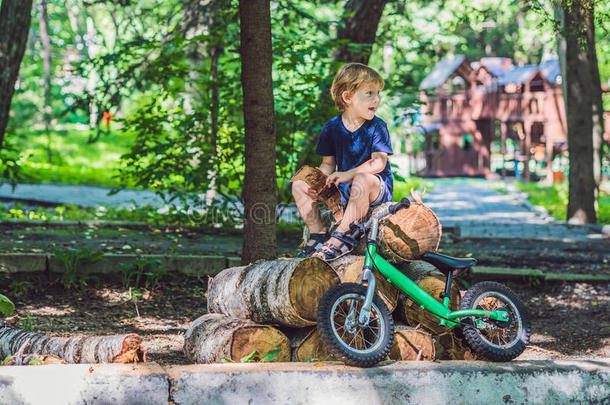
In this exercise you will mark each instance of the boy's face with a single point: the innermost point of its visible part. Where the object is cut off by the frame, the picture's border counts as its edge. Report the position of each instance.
(364, 101)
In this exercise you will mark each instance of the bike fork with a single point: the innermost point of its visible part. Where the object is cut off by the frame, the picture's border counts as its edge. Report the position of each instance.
(365, 311)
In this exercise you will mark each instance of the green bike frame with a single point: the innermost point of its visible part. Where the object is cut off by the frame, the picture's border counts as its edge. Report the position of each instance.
(417, 294)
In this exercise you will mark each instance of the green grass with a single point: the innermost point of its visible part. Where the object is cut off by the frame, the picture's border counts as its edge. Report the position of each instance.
(73, 160)
(403, 188)
(555, 200)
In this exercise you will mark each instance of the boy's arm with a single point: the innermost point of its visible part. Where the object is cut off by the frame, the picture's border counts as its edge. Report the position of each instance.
(374, 165)
(328, 165)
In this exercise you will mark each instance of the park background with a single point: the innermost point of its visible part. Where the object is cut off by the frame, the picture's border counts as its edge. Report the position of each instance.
(148, 95)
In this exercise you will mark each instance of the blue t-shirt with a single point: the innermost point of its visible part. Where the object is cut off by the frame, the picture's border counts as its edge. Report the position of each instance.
(351, 149)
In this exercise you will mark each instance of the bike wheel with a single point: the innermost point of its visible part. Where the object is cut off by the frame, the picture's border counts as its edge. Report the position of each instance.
(356, 345)
(496, 340)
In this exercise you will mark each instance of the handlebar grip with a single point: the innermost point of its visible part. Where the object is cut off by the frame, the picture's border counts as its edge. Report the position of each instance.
(404, 203)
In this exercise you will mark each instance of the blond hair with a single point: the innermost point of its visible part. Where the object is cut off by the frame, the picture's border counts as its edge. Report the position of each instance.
(349, 78)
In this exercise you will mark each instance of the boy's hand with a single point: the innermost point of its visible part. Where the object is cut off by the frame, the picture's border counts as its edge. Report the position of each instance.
(313, 194)
(337, 178)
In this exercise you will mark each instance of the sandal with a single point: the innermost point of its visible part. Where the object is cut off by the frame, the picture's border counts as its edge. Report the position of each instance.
(334, 252)
(315, 242)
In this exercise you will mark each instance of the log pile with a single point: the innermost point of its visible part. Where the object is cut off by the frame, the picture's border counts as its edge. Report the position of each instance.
(249, 304)
(271, 306)
(26, 346)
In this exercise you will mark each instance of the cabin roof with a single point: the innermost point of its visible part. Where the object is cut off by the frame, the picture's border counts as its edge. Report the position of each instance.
(441, 72)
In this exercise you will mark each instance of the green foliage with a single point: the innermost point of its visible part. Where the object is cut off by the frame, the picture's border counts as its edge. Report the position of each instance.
(6, 306)
(254, 357)
(26, 324)
(75, 272)
(555, 200)
(151, 269)
(20, 288)
(6, 360)
(403, 188)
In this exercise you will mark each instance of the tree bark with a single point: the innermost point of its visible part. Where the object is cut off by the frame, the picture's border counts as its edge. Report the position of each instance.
(358, 27)
(285, 291)
(14, 28)
(583, 105)
(260, 187)
(78, 349)
(214, 337)
(46, 56)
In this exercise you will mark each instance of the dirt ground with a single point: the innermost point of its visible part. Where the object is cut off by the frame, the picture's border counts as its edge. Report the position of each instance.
(569, 320)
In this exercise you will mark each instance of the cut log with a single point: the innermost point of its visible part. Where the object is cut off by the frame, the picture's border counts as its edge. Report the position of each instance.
(307, 345)
(412, 313)
(409, 233)
(450, 345)
(34, 359)
(285, 291)
(316, 179)
(77, 349)
(213, 337)
(349, 270)
(412, 344)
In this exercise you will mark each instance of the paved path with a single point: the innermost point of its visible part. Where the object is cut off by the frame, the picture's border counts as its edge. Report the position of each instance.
(471, 205)
(478, 210)
(83, 196)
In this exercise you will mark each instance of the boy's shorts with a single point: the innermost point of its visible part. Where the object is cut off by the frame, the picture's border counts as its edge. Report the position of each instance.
(384, 194)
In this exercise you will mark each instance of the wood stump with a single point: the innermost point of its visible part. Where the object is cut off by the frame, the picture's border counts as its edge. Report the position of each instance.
(307, 345)
(316, 179)
(349, 270)
(285, 291)
(408, 234)
(412, 344)
(77, 349)
(213, 337)
(449, 343)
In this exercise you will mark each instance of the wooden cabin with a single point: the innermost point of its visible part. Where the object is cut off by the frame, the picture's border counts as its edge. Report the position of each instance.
(470, 105)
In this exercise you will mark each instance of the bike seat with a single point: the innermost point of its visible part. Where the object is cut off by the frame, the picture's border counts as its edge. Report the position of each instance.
(447, 263)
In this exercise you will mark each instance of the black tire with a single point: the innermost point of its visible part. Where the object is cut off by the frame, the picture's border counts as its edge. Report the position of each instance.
(354, 348)
(496, 340)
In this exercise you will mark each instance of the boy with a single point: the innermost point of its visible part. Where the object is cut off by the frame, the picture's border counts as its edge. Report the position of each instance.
(354, 146)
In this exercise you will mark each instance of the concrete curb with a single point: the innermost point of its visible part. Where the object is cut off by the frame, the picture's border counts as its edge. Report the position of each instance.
(186, 264)
(534, 382)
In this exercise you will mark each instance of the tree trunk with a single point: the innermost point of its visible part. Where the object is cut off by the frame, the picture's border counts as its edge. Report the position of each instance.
(358, 27)
(214, 337)
(14, 28)
(285, 291)
(583, 105)
(78, 349)
(349, 270)
(46, 56)
(260, 187)
(412, 345)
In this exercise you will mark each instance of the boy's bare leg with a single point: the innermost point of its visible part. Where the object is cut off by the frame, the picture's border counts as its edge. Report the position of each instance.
(365, 189)
(307, 206)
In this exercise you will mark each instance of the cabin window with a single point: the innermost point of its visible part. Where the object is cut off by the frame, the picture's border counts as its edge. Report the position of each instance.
(537, 85)
(466, 142)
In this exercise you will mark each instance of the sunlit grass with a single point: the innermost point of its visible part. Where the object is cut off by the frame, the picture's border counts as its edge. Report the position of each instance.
(555, 200)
